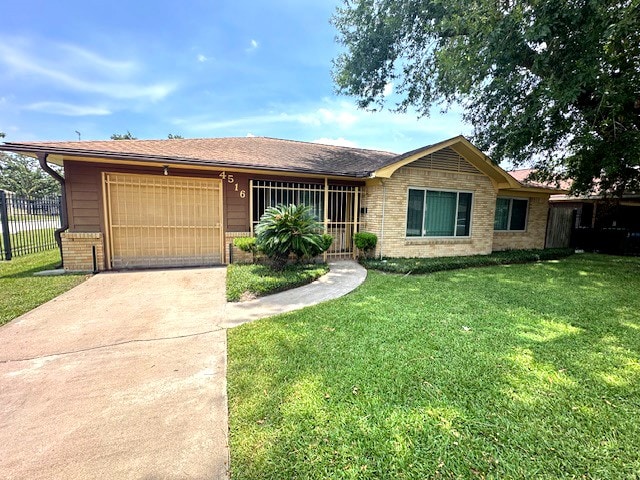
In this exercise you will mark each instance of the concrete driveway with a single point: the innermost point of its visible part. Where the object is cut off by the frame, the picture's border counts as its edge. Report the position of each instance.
(121, 377)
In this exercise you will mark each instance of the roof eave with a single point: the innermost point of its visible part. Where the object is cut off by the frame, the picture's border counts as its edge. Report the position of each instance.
(60, 154)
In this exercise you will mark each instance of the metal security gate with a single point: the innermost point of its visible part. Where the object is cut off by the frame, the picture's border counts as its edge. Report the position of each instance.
(159, 221)
(335, 206)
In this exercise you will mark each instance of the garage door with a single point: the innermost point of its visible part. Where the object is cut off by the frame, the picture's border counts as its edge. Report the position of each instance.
(160, 221)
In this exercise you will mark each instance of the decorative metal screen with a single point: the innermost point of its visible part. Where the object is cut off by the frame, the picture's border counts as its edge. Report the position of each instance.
(336, 207)
(157, 221)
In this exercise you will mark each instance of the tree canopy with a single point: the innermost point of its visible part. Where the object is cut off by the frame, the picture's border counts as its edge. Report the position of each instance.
(555, 83)
(23, 176)
(123, 136)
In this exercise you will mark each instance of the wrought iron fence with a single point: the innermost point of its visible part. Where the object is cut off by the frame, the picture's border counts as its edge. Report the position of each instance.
(27, 224)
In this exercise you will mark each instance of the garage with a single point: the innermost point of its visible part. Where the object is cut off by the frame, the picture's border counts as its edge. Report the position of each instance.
(163, 221)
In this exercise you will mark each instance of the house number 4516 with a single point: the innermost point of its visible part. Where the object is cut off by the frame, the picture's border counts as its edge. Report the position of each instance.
(229, 178)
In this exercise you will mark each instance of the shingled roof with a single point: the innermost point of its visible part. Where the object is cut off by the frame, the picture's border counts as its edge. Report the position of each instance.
(248, 152)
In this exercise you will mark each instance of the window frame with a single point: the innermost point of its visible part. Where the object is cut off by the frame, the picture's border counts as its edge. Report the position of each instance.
(455, 220)
(526, 215)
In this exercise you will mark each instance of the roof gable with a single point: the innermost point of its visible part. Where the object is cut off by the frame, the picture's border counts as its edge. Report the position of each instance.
(445, 159)
(462, 147)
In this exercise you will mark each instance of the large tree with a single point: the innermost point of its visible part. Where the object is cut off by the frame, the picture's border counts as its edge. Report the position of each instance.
(553, 82)
(23, 176)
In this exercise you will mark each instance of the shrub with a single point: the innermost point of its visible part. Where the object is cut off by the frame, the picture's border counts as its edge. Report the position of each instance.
(287, 229)
(325, 243)
(430, 265)
(365, 241)
(246, 244)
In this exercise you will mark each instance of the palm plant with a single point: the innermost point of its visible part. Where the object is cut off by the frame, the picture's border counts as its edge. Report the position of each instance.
(286, 229)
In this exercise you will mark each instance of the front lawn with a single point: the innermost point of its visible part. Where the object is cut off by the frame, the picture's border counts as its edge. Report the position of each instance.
(520, 371)
(245, 282)
(20, 291)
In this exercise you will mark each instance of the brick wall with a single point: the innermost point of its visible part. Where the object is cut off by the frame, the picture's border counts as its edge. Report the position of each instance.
(233, 252)
(393, 241)
(77, 251)
(533, 236)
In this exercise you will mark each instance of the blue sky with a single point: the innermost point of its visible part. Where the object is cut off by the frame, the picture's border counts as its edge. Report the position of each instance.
(193, 68)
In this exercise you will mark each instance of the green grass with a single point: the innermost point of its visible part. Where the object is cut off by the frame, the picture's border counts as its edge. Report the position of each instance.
(439, 264)
(20, 291)
(519, 371)
(246, 281)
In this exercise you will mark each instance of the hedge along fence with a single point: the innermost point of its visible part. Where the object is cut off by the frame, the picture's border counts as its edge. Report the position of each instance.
(418, 266)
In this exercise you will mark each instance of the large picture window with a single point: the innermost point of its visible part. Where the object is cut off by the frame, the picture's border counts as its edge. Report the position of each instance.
(511, 214)
(434, 213)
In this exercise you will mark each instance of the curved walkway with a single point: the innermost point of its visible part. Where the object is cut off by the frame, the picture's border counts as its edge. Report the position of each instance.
(343, 277)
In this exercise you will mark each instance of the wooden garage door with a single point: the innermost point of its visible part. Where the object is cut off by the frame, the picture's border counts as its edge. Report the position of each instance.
(163, 221)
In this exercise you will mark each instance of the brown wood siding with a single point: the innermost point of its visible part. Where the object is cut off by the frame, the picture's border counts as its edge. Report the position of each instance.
(236, 202)
(85, 202)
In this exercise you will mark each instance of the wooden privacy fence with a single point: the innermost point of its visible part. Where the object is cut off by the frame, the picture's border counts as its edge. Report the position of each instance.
(559, 227)
(27, 224)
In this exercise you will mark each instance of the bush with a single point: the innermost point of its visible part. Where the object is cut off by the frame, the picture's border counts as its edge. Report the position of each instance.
(246, 244)
(365, 241)
(430, 265)
(284, 230)
(325, 243)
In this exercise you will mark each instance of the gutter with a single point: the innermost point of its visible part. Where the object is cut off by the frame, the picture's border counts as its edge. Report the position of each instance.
(64, 220)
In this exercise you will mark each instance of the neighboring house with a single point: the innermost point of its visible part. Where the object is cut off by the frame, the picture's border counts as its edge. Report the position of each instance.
(595, 222)
(180, 202)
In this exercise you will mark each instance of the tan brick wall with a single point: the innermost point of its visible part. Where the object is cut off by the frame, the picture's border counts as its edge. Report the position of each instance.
(533, 236)
(77, 251)
(231, 251)
(393, 241)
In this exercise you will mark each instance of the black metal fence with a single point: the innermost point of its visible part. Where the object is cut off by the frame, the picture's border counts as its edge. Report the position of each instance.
(615, 241)
(27, 225)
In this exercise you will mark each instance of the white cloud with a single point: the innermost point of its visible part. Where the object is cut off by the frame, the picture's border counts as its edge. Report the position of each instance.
(79, 70)
(67, 109)
(202, 58)
(339, 142)
(250, 135)
(388, 89)
(253, 45)
(334, 121)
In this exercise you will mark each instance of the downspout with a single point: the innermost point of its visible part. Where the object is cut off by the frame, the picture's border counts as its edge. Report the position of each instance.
(64, 220)
(384, 200)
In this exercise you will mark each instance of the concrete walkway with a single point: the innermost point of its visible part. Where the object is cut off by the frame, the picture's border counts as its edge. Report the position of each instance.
(124, 376)
(343, 277)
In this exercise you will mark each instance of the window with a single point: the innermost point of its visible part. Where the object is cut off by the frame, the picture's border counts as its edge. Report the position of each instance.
(434, 213)
(511, 214)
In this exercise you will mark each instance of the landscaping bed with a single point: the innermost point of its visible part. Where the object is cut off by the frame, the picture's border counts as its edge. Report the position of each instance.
(245, 282)
(430, 265)
(526, 371)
